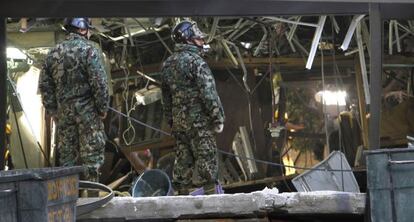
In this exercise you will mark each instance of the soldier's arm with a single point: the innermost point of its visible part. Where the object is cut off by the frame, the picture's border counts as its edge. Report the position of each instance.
(166, 101)
(98, 80)
(47, 88)
(205, 82)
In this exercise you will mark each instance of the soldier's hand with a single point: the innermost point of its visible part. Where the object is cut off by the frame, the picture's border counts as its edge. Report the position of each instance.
(219, 128)
(103, 115)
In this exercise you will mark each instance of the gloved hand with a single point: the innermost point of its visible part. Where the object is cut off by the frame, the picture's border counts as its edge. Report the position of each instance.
(219, 128)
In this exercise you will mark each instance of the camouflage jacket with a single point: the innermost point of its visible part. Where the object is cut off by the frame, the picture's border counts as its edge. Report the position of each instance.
(189, 95)
(74, 77)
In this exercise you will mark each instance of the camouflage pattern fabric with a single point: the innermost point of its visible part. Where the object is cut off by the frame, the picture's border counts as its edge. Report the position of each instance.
(196, 152)
(193, 108)
(74, 90)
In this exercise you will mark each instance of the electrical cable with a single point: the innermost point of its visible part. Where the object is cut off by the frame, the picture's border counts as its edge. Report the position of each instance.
(28, 121)
(227, 153)
(338, 76)
(19, 135)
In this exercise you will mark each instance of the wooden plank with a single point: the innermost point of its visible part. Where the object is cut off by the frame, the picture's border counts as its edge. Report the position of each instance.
(228, 206)
(267, 180)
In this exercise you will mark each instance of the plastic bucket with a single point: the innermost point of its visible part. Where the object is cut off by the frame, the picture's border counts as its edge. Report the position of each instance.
(152, 183)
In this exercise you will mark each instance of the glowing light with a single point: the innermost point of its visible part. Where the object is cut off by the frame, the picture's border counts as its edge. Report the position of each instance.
(288, 162)
(331, 97)
(246, 45)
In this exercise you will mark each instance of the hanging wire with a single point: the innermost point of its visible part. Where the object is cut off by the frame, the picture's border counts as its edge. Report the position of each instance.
(14, 89)
(228, 153)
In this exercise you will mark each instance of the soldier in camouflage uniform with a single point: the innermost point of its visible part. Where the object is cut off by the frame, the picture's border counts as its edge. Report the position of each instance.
(74, 92)
(192, 108)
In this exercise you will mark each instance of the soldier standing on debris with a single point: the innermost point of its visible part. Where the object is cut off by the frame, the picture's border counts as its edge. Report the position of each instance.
(74, 89)
(193, 110)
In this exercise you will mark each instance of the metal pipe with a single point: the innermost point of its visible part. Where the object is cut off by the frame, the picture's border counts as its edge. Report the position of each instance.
(401, 37)
(128, 31)
(351, 52)
(390, 27)
(256, 51)
(292, 22)
(365, 36)
(406, 29)
(290, 43)
(3, 91)
(293, 28)
(300, 46)
(350, 32)
(162, 41)
(213, 29)
(148, 77)
(155, 31)
(239, 25)
(241, 61)
(228, 52)
(363, 65)
(244, 31)
(397, 36)
(335, 24)
(315, 41)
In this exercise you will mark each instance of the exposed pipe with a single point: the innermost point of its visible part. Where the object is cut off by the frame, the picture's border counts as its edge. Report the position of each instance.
(256, 51)
(213, 29)
(363, 65)
(397, 36)
(148, 77)
(293, 29)
(155, 31)
(365, 36)
(315, 41)
(243, 32)
(335, 24)
(291, 22)
(239, 25)
(290, 43)
(350, 32)
(300, 46)
(133, 33)
(351, 52)
(128, 31)
(228, 53)
(406, 29)
(390, 27)
(241, 61)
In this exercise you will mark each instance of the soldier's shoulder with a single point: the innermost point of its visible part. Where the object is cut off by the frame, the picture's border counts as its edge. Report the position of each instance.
(191, 57)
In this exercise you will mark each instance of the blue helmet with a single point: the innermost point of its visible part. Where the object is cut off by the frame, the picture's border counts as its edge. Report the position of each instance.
(81, 23)
(185, 31)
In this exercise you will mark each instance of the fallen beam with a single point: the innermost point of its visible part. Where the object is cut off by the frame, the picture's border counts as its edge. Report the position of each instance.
(256, 204)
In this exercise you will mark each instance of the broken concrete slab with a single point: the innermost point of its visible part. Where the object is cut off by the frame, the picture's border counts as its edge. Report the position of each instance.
(229, 205)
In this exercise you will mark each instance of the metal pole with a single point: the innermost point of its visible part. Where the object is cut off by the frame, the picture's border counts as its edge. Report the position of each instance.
(376, 26)
(3, 91)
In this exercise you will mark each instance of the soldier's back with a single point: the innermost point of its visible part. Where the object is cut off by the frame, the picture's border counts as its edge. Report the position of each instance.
(68, 64)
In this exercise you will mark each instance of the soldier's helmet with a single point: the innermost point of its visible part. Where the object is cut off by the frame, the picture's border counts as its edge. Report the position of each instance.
(81, 23)
(185, 31)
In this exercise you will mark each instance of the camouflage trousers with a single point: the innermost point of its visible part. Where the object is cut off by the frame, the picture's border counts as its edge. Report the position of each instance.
(196, 159)
(81, 141)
